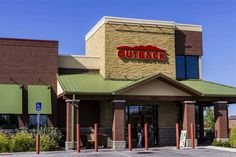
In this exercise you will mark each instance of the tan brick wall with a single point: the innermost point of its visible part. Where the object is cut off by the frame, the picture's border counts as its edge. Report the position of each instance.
(111, 66)
(118, 35)
(105, 114)
(95, 46)
(167, 114)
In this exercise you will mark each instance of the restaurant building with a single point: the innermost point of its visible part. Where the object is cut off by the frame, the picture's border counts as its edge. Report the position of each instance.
(133, 71)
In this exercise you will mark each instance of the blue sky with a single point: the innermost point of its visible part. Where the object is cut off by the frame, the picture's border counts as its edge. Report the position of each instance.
(69, 20)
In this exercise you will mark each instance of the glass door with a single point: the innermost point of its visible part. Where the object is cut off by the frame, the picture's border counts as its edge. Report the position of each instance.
(142, 114)
(134, 120)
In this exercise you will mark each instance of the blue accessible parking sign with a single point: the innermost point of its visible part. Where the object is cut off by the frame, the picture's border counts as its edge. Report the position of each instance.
(38, 106)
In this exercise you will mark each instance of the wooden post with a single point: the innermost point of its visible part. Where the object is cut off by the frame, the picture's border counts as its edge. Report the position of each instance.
(77, 130)
(146, 136)
(96, 137)
(37, 143)
(192, 136)
(177, 135)
(129, 137)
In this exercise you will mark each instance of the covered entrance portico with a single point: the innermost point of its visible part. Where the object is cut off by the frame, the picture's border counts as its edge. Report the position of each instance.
(156, 99)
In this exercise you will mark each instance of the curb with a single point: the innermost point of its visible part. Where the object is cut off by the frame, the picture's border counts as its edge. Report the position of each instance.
(222, 148)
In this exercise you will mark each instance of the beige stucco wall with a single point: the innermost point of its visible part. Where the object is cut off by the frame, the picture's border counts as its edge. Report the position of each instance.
(59, 88)
(167, 114)
(78, 62)
(108, 37)
(95, 46)
(155, 88)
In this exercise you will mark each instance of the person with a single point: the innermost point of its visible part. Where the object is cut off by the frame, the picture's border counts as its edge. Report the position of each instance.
(150, 134)
(140, 135)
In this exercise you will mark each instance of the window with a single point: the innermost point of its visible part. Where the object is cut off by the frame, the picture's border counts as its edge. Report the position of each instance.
(180, 67)
(33, 121)
(8, 121)
(187, 67)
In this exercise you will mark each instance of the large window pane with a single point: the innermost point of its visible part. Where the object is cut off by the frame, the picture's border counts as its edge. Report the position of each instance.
(180, 67)
(8, 121)
(33, 121)
(192, 67)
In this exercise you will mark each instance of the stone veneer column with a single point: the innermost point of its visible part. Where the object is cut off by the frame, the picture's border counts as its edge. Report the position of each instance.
(221, 121)
(118, 126)
(189, 117)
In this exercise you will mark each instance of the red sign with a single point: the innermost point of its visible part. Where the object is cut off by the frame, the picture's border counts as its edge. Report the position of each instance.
(148, 52)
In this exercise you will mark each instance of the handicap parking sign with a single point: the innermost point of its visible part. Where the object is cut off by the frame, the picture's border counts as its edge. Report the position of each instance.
(38, 106)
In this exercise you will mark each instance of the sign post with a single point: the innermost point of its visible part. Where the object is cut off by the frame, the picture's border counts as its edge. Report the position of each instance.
(38, 108)
(183, 138)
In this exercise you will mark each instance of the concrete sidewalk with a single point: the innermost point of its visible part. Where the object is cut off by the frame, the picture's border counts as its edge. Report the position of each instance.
(158, 151)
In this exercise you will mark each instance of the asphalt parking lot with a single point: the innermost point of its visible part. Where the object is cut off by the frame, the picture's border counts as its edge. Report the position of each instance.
(157, 152)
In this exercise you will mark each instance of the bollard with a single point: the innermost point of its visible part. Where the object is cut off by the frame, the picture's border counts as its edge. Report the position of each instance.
(78, 137)
(37, 143)
(146, 136)
(192, 136)
(129, 137)
(96, 137)
(177, 135)
(77, 130)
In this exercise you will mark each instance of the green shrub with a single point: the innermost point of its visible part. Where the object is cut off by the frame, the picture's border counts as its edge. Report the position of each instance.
(53, 133)
(232, 137)
(217, 143)
(226, 144)
(220, 143)
(4, 143)
(47, 143)
(22, 141)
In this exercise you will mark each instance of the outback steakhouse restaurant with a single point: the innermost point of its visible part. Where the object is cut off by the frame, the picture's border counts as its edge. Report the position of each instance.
(133, 71)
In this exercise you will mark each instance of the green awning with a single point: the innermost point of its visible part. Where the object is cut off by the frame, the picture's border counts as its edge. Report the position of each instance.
(10, 99)
(39, 93)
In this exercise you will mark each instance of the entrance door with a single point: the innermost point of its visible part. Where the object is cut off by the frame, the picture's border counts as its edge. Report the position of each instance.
(151, 129)
(143, 114)
(134, 119)
(148, 119)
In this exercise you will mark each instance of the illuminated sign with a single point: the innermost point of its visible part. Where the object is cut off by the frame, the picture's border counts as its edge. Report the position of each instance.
(148, 52)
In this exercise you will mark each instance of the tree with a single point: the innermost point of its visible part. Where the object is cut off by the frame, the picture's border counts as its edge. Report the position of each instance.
(209, 119)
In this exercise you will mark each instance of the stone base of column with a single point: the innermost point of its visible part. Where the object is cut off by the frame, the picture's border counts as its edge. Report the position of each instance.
(222, 139)
(118, 145)
(189, 142)
(69, 145)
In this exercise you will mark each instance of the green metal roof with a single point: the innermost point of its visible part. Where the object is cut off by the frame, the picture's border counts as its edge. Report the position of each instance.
(95, 84)
(210, 89)
(90, 84)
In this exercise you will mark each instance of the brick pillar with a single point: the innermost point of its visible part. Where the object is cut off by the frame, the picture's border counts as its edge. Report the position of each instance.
(118, 126)
(189, 117)
(221, 121)
(68, 143)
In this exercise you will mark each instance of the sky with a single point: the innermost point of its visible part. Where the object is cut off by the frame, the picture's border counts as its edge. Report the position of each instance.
(69, 20)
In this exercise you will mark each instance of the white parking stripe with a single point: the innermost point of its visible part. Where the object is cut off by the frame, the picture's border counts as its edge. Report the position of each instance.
(123, 154)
